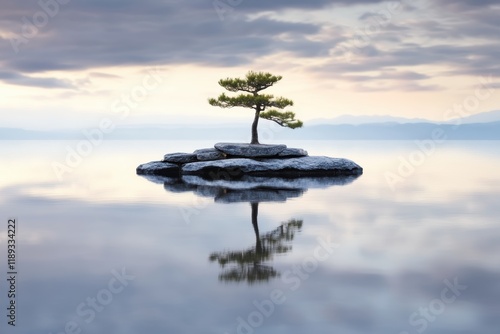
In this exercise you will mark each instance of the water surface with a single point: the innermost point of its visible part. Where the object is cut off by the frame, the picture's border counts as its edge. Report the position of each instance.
(373, 256)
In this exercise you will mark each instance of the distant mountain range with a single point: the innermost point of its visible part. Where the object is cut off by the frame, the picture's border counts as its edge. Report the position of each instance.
(485, 117)
(356, 120)
(483, 126)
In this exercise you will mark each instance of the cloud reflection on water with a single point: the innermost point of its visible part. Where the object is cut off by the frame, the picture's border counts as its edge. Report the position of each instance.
(395, 251)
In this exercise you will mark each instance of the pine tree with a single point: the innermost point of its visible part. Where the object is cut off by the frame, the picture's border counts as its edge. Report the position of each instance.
(251, 85)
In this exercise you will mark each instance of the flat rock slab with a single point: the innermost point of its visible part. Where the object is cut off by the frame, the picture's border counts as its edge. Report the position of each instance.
(159, 168)
(209, 154)
(180, 158)
(250, 150)
(292, 167)
(292, 153)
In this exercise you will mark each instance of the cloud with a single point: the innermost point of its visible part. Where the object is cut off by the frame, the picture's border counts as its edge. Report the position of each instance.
(459, 36)
(460, 5)
(104, 75)
(390, 80)
(264, 5)
(14, 78)
(405, 86)
(407, 75)
(95, 34)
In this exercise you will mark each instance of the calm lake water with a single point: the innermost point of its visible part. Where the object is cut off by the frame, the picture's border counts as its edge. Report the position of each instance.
(411, 246)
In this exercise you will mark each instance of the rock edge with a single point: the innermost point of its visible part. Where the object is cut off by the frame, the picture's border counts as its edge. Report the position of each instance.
(234, 160)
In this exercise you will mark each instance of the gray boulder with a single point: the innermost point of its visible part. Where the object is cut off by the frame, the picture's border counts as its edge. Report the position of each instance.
(209, 154)
(179, 158)
(250, 150)
(293, 167)
(292, 153)
(159, 168)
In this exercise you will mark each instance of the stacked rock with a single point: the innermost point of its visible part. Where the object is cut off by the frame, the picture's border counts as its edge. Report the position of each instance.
(233, 160)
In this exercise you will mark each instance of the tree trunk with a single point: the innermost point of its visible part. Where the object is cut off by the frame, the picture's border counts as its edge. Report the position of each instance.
(255, 134)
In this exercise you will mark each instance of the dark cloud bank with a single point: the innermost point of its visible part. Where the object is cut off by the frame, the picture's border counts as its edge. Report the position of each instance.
(74, 35)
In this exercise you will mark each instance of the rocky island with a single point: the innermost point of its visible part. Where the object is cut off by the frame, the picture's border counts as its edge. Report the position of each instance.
(231, 161)
(234, 161)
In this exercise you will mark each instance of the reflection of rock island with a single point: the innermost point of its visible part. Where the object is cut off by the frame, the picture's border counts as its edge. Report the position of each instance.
(248, 188)
(247, 265)
(232, 173)
(233, 160)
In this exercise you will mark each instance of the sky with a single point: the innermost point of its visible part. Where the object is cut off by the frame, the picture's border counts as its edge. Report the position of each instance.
(72, 63)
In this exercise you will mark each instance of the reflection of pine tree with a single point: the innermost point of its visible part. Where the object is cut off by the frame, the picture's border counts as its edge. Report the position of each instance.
(247, 264)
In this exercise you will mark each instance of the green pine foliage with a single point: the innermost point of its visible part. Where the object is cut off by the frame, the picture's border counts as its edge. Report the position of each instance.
(251, 85)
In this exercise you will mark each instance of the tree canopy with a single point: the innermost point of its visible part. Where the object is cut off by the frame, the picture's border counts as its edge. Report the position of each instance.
(265, 105)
